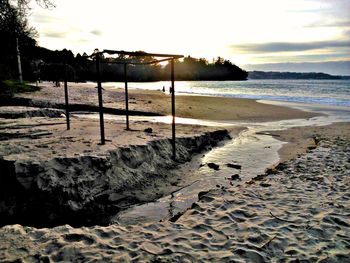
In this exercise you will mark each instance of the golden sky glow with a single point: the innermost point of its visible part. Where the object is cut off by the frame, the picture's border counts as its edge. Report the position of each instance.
(244, 31)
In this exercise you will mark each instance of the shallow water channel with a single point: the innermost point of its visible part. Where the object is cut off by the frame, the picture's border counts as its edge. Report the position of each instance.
(253, 149)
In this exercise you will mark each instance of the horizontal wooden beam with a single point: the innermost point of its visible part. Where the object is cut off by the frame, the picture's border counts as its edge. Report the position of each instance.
(136, 63)
(140, 54)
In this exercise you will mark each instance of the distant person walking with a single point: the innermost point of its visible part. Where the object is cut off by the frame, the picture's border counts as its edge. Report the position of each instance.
(57, 83)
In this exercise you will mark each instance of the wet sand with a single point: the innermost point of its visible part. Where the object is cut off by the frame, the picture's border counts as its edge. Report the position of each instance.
(301, 139)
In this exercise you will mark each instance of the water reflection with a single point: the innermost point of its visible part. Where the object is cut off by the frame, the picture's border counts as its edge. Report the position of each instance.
(161, 119)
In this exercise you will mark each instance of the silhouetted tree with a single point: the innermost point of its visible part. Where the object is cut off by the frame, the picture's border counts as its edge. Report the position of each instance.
(47, 4)
(13, 27)
(13, 24)
(200, 69)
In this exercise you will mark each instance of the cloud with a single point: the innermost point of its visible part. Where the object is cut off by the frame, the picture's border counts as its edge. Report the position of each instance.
(55, 34)
(302, 58)
(288, 46)
(82, 40)
(335, 9)
(45, 19)
(346, 33)
(338, 23)
(96, 32)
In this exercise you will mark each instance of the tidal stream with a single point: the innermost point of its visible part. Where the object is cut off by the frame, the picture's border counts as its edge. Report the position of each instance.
(253, 151)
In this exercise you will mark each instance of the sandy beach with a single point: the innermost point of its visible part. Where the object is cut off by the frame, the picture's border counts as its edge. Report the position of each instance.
(198, 107)
(298, 211)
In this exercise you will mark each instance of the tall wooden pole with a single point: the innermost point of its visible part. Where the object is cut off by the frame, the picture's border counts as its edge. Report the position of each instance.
(173, 108)
(20, 77)
(100, 103)
(66, 94)
(126, 97)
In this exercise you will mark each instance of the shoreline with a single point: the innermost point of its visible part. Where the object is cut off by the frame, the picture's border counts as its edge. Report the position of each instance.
(191, 106)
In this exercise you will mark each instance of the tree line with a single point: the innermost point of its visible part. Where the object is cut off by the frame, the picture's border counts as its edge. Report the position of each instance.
(112, 69)
(290, 75)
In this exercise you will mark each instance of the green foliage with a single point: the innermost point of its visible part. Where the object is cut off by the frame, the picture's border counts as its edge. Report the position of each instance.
(11, 87)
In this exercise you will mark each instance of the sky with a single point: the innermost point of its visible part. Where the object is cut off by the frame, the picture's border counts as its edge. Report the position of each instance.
(254, 34)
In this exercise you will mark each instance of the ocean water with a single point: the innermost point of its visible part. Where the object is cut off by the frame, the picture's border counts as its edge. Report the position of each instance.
(324, 92)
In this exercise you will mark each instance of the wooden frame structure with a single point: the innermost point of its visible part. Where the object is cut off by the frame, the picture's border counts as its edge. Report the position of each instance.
(165, 57)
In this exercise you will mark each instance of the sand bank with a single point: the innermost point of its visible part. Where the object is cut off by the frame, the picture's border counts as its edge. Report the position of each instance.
(302, 139)
(79, 178)
(54, 140)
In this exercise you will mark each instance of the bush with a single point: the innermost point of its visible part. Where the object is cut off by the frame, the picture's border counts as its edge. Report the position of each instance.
(11, 87)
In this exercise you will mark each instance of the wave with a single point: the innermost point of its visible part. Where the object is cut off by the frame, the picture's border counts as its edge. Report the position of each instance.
(325, 92)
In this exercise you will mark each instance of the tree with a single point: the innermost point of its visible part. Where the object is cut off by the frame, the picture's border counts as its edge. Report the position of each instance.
(15, 34)
(13, 21)
(47, 4)
(13, 26)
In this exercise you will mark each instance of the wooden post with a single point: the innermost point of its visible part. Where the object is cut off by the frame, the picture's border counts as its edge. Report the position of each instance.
(20, 77)
(100, 103)
(173, 107)
(126, 97)
(66, 94)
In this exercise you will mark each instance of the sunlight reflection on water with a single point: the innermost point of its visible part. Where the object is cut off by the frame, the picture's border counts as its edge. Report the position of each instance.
(161, 119)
